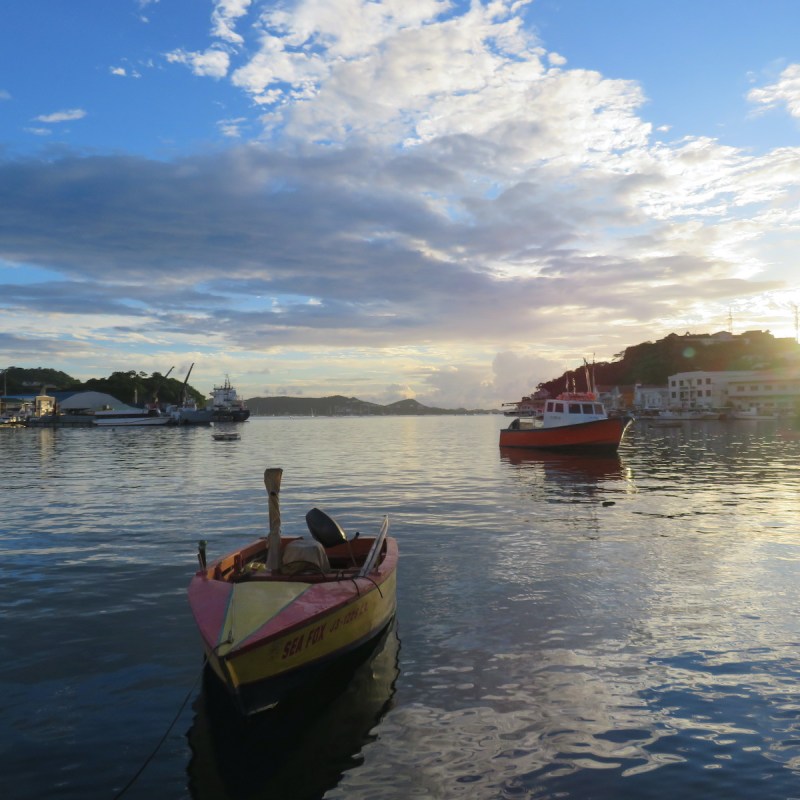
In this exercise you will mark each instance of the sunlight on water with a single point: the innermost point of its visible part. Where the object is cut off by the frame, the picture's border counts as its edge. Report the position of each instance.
(567, 627)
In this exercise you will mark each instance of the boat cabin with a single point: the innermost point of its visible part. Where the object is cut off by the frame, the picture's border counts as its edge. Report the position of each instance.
(572, 409)
(569, 408)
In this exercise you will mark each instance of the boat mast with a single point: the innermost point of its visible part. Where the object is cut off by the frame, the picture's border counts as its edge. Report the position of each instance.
(272, 482)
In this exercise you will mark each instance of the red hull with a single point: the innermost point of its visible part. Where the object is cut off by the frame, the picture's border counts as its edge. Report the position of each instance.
(602, 435)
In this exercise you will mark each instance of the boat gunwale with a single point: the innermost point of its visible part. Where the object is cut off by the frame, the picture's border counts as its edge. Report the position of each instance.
(378, 575)
(614, 421)
(221, 568)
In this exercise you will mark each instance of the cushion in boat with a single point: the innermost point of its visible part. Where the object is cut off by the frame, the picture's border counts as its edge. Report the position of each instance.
(310, 553)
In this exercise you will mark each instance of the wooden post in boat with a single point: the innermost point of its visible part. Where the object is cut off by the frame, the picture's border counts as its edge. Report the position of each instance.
(272, 482)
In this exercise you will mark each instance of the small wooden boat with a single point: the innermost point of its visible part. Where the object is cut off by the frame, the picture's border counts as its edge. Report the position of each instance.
(752, 413)
(666, 423)
(226, 436)
(281, 609)
(690, 414)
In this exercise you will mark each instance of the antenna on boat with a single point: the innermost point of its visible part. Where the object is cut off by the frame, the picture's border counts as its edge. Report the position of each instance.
(272, 482)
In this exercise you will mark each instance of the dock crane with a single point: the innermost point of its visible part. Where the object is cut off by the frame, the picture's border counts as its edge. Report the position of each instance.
(184, 398)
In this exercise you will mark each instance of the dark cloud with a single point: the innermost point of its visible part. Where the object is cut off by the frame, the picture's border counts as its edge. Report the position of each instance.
(347, 248)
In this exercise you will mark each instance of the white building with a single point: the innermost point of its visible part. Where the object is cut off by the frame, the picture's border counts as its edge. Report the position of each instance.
(650, 398)
(768, 393)
(764, 392)
(700, 389)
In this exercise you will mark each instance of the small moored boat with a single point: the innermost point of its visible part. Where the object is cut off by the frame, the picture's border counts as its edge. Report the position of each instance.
(226, 436)
(690, 414)
(666, 423)
(279, 610)
(571, 421)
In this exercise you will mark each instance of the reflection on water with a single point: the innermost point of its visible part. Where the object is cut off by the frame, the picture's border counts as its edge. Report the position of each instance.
(300, 749)
(566, 467)
(572, 627)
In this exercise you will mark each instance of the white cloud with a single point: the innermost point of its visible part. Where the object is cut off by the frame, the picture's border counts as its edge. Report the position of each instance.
(393, 70)
(212, 63)
(232, 128)
(124, 72)
(224, 16)
(67, 115)
(480, 193)
(4, 94)
(784, 92)
(143, 4)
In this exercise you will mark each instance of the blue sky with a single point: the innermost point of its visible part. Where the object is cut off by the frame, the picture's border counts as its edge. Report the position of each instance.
(408, 198)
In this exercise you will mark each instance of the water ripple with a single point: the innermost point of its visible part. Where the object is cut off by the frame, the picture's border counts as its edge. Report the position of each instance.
(570, 627)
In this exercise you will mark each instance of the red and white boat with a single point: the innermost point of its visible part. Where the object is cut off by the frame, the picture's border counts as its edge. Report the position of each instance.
(571, 421)
(273, 614)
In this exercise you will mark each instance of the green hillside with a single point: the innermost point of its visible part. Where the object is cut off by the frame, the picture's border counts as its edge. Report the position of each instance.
(647, 363)
(125, 386)
(653, 362)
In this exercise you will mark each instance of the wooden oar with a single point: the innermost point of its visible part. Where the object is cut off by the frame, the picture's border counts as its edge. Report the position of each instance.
(375, 550)
(272, 482)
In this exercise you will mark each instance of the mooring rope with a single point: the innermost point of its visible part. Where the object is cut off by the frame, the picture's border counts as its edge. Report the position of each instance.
(164, 737)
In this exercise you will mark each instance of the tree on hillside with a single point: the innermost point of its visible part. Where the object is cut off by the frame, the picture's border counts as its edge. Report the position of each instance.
(653, 362)
(21, 380)
(137, 387)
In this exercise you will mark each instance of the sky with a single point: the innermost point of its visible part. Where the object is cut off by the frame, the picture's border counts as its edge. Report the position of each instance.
(446, 201)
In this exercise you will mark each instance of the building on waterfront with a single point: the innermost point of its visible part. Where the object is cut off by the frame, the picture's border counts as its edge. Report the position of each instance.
(649, 398)
(772, 393)
(17, 405)
(61, 408)
(89, 402)
(700, 389)
(763, 392)
(616, 399)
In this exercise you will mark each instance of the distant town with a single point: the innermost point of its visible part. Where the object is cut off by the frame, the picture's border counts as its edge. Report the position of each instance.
(752, 371)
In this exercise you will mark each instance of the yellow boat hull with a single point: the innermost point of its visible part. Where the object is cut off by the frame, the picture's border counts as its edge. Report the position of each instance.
(265, 636)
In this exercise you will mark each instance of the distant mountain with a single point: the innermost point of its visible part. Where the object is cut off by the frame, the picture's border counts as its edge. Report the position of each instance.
(646, 363)
(339, 406)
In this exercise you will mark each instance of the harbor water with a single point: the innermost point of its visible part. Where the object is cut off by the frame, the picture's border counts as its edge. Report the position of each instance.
(567, 626)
